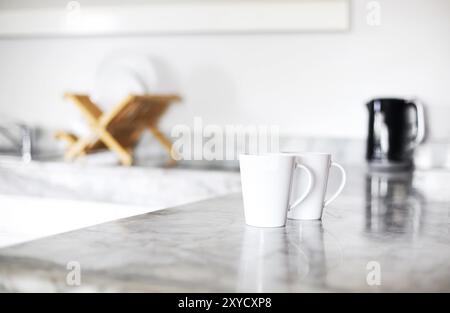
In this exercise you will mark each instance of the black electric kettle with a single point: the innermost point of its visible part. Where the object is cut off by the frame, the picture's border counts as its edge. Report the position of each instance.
(396, 128)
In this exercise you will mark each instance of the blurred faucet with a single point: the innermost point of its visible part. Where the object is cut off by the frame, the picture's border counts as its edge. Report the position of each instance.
(22, 144)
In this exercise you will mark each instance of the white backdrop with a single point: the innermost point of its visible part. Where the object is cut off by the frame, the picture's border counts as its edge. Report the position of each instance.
(309, 83)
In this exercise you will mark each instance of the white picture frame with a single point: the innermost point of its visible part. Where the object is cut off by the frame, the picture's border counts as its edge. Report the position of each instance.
(188, 17)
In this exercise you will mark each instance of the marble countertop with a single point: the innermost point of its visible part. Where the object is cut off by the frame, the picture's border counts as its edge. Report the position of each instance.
(42, 199)
(386, 232)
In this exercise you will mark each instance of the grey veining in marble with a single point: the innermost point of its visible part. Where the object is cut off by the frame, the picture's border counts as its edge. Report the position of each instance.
(152, 186)
(400, 221)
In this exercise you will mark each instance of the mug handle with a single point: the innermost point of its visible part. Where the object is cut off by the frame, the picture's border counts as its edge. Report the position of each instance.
(341, 186)
(420, 122)
(308, 189)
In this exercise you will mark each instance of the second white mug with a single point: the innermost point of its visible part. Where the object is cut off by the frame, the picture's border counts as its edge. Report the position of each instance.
(311, 207)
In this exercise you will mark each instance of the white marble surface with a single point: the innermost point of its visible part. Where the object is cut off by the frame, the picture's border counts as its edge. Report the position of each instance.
(133, 185)
(24, 219)
(42, 199)
(399, 221)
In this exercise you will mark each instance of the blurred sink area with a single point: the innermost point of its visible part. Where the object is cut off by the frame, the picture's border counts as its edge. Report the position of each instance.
(45, 149)
(46, 197)
(149, 186)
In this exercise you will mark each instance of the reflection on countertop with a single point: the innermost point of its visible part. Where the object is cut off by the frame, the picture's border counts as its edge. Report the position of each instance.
(398, 223)
(393, 203)
(271, 257)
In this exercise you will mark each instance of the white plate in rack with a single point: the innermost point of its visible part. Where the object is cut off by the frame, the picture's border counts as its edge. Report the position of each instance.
(120, 75)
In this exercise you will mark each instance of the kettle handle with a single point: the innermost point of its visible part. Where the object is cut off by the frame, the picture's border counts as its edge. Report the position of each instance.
(420, 134)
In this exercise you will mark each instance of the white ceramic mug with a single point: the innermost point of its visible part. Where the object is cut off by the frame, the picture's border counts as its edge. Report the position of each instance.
(266, 184)
(311, 207)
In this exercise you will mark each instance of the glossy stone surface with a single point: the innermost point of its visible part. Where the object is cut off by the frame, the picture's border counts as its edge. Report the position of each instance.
(397, 223)
(155, 187)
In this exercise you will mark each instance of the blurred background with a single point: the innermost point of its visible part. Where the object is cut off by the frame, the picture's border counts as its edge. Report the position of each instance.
(308, 67)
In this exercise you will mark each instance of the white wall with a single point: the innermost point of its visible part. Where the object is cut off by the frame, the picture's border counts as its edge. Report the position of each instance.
(310, 84)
